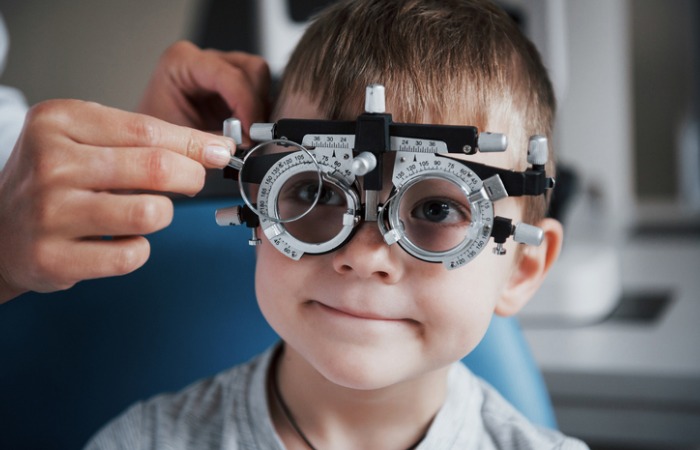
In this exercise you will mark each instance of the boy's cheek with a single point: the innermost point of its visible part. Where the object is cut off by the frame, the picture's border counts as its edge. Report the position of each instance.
(269, 260)
(457, 323)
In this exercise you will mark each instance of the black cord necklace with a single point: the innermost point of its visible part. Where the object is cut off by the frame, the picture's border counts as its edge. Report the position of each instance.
(287, 413)
(290, 418)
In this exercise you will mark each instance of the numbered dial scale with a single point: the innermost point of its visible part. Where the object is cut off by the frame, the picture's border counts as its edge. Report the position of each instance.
(410, 170)
(334, 167)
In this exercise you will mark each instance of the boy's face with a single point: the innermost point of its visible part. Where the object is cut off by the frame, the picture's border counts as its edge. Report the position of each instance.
(369, 315)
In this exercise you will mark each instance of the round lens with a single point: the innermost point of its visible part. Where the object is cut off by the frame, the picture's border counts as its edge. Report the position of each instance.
(435, 214)
(324, 221)
(269, 168)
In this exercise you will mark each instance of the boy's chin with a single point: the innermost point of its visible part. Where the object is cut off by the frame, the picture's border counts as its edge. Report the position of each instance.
(359, 380)
(368, 370)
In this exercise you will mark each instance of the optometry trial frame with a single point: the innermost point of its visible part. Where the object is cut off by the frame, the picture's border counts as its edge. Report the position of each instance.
(314, 181)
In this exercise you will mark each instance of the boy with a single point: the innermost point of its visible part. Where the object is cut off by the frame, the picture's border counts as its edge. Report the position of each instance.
(371, 335)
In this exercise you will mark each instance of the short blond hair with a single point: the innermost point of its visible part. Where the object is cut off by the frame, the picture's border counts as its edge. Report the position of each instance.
(448, 61)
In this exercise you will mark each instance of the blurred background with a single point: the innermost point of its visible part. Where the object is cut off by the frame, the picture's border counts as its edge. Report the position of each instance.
(615, 329)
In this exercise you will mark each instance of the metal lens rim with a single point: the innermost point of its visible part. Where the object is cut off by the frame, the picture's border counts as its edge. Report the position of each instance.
(393, 217)
(284, 142)
(352, 200)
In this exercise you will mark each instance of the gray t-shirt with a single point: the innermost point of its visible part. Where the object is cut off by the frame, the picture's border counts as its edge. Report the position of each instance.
(229, 411)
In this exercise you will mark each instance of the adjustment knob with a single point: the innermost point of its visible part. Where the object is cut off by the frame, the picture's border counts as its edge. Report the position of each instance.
(232, 129)
(374, 99)
(363, 163)
(492, 142)
(528, 234)
(228, 216)
(537, 150)
(262, 132)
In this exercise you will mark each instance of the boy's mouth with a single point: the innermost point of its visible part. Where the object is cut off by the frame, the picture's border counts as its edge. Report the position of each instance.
(344, 311)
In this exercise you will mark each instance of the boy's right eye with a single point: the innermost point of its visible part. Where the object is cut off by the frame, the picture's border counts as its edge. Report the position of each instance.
(435, 214)
(307, 192)
(319, 224)
(441, 211)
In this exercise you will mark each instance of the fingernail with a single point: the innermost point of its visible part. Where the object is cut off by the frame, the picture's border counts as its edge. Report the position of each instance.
(217, 155)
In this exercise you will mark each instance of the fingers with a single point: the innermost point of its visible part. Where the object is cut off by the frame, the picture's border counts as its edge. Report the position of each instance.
(140, 169)
(110, 214)
(253, 67)
(66, 244)
(116, 257)
(66, 181)
(242, 80)
(102, 126)
(202, 88)
(255, 75)
(64, 263)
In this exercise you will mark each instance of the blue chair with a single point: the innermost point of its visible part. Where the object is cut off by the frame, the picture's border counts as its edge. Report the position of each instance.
(72, 360)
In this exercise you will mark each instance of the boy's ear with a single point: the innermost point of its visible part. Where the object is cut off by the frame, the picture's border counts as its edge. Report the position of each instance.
(530, 270)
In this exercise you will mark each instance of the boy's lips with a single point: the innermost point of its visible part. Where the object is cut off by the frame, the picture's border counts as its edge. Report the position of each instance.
(356, 314)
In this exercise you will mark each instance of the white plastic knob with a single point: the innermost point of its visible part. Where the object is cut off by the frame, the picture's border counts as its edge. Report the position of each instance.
(232, 129)
(492, 142)
(374, 99)
(228, 216)
(363, 164)
(262, 132)
(537, 150)
(528, 234)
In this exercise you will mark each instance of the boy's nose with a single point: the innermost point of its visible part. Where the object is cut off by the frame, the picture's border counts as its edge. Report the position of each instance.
(368, 256)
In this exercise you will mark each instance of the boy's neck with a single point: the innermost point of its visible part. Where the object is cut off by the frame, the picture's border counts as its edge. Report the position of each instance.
(332, 416)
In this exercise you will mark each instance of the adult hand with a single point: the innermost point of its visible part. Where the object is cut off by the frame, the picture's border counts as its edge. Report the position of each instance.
(201, 88)
(81, 171)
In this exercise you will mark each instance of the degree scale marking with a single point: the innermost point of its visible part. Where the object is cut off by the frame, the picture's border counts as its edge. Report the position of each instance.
(397, 143)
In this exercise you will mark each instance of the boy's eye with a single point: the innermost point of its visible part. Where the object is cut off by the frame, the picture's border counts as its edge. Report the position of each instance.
(442, 211)
(436, 211)
(435, 214)
(306, 193)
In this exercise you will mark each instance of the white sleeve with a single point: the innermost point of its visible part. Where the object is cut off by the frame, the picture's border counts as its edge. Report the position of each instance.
(13, 106)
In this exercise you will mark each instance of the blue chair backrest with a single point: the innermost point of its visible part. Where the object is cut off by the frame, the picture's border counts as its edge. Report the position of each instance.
(72, 360)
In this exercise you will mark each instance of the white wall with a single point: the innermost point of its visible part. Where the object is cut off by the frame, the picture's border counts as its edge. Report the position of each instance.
(595, 117)
(100, 50)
